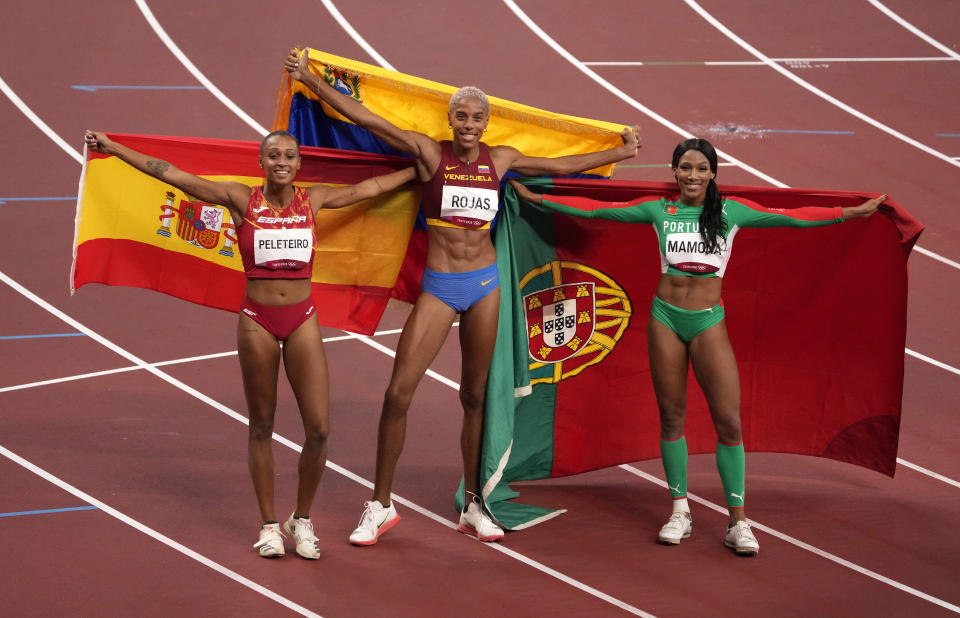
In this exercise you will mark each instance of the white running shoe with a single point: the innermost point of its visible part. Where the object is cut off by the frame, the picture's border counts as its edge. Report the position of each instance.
(677, 528)
(302, 532)
(376, 520)
(475, 522)
(740, 538)
(271, 541)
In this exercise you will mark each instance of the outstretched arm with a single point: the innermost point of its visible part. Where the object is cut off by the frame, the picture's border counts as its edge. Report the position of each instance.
(640, 210)
(571, 164)
(747, 213)
(233, 195)
(415, 144)
(325, 197)
(863, 210)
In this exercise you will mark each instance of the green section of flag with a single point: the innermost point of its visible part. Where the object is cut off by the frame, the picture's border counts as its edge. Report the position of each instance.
(518, 426)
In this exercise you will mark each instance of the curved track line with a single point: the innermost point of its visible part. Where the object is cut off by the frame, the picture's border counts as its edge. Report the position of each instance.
(200, 77)
(806, 546)
(136, 525)
(229, 412)
(928, 39)
(546, 38)
(296, 447)
(813, 89)
(40, 124)
(349, 29)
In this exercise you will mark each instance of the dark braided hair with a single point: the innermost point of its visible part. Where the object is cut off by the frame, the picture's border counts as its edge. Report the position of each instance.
(712, 227)
(269, 136)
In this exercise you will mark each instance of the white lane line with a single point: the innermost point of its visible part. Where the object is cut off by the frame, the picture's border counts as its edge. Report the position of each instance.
(937, 256)
(143, 528)
(813, 89)
(349, 29)
(805, 546)
(37, 122)
(923, 470)
(759, 63)
(880, 6)
(333, 466)
(229, 412)
(546, 38)
(200, 77)
(932, 361)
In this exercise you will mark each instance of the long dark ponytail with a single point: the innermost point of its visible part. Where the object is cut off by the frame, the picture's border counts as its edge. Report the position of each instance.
(712, 227)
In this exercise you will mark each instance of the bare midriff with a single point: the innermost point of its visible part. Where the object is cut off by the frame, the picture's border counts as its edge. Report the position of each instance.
(278, 291)
(691, 293)
(454, 250)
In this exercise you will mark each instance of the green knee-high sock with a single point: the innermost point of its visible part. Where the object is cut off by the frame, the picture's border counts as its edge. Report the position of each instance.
(732, 464)
(674, 454)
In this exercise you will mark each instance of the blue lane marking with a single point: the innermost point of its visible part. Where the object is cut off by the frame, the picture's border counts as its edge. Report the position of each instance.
(45, 511)
(94, 88)
(948, 134)
(72, 198)
(42, 336)
(803, 131)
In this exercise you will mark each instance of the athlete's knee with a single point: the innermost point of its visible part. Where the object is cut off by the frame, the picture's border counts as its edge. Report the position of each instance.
(396, 401)
(472, 398)
(672, 419)
(316, 436)
(261, 427)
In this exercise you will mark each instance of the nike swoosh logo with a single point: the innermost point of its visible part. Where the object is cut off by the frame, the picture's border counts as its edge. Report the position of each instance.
(450, 167)
(487, 281)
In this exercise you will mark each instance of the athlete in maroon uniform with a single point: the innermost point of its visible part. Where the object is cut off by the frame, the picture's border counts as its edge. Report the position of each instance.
(275, 235)
(461, 191)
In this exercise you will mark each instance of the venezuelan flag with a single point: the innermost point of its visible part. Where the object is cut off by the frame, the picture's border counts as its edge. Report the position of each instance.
(416, 104)
(135, 230)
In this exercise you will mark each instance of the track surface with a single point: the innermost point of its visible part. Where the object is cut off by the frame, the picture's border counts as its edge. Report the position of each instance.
(166, 514)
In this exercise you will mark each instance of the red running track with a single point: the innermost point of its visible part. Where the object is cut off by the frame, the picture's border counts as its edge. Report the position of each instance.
(166, 471)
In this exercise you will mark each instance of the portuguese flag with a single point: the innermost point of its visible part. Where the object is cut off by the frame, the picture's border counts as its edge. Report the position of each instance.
(817, 319)
(135, 230)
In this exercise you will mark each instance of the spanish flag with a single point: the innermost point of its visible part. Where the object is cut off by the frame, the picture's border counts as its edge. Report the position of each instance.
(816, 317)
(135, 230)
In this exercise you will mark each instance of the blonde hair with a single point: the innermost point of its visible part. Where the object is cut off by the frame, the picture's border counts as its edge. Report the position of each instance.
(470, 92)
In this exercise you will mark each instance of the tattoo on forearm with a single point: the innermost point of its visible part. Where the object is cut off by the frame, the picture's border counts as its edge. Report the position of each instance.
(159, 168)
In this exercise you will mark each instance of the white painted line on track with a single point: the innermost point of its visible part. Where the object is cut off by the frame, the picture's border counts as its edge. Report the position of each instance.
(813, 89)
(932, 361)
(937, 256)
(759, 63)
(929, 39)
(923, 470)
(40, 124)
(805, 546)
(349, 29)
(546, 38)
(200, 77)
(143, 528)
(286, 442)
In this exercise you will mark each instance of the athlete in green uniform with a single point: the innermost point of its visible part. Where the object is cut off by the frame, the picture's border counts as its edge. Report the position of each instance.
(696, 232)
